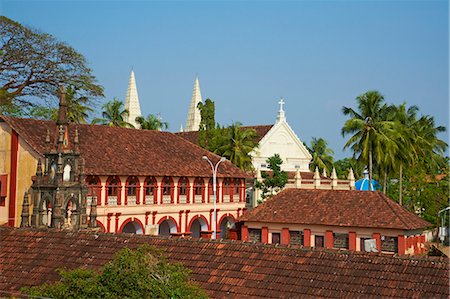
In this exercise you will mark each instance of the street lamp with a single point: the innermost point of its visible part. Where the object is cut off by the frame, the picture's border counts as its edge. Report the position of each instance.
(214, 172)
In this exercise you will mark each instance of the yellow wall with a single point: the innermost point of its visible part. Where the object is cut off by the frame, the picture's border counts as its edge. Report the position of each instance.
(5, 159)
(27, 162)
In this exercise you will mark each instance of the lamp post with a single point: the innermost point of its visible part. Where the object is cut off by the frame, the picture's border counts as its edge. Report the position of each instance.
(214, 172)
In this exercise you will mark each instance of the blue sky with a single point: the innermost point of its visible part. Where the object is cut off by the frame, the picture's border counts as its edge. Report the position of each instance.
(317, 55)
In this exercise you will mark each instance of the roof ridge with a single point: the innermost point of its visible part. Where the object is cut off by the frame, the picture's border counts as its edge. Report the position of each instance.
(385, 199)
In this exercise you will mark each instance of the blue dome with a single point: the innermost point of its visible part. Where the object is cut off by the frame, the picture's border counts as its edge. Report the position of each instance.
(363, 185)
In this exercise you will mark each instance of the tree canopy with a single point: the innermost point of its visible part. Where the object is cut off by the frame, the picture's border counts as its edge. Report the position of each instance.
(152, 123)
(140, 273)
(272, 182)
(34, 64)
(322, 156)
(113, 115)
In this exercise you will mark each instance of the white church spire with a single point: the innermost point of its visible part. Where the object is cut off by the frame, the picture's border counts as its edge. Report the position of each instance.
(132, 102)
(281, 116)
(194, 118)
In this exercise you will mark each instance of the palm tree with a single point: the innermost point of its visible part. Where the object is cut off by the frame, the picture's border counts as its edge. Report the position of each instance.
(372, 132)
(152, 123)
(322, 155)
(236, 144)
(406, 152)
(113, 115)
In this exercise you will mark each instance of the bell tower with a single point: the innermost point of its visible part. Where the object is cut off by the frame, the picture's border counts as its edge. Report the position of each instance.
(58, 192)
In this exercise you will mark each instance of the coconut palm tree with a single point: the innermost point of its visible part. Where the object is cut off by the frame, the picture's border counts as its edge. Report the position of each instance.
(113, 115)
(236, 143)
(371, 131)
(152, 123)
(322, 156)
(77, 109)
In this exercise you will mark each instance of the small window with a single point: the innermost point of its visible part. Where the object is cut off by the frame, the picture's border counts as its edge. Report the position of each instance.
(254, 234)
(66, 175)
(389, 244)
(296, 237)
(276, 238)
(132, 187)
(183, 186)
(340, 240)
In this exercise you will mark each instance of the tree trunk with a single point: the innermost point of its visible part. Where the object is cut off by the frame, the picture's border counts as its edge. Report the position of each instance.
(385, 180)
(370, 170)
(400, 187)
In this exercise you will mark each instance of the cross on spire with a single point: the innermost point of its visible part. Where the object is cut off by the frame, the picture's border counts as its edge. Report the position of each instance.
(281, 116)
(281, 102)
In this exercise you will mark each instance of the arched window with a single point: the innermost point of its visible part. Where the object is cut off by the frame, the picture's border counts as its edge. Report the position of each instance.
(132, 195)
(210, 191)
(66, 174)
(199, 196)
(94, 189)
(113, 191)
(167, 190)
(183, 190)
(150, 190)
(237, 190)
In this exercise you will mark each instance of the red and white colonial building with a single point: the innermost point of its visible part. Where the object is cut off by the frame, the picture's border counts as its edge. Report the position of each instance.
(341, 219)
(144, 182)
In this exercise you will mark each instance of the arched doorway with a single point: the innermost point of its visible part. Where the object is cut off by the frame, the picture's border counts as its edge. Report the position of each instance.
(132, 227)
(197, 226)
(167, 227)
(226, 224)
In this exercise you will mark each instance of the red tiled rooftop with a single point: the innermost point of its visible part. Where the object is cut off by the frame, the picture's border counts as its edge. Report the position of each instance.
(347, 208)
(229, 270)
(121, 151)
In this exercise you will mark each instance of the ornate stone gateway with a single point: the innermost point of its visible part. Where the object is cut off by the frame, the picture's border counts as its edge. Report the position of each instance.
(58, 193)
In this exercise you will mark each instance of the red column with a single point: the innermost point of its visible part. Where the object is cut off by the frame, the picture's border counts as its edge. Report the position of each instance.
(146, 217)
(329, 241)
(416, 245)
(154, 217)
(352, 241)
(180, 217)
(307, 237)
(422, 244)
(187, 222)
(285, 237)
(244, 233)
(117, 221)
(265, 234)
(377, 238)
(401, 245)
(13, 179)
(108, 222)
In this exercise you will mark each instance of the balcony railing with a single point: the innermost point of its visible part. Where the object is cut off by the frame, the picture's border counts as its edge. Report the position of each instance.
(182, 198)
(131, 200)
(166, 199)
(197, 199)
(149, 199)
(112, 200)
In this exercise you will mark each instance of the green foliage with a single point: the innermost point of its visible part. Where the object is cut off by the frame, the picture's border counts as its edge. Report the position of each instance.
(343, 166)
(113, 115)
(235, 144)
(322, 156)
(152, 123)
(140, 273)
(207, 130)
(425, 190)
(34, 64)
(275, 181)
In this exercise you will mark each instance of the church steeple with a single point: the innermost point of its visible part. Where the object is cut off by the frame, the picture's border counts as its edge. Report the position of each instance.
(132, 102)
(194, 118)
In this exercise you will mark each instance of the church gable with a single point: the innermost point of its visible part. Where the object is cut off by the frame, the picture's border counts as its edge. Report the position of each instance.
(282, 140)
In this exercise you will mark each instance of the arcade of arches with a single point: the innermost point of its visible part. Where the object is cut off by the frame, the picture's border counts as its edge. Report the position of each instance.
(177, 206)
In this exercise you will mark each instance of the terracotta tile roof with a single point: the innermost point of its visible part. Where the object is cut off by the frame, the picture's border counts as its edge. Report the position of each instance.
(261, 131)
(229, 270)
(120, 151)
(335, 207)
